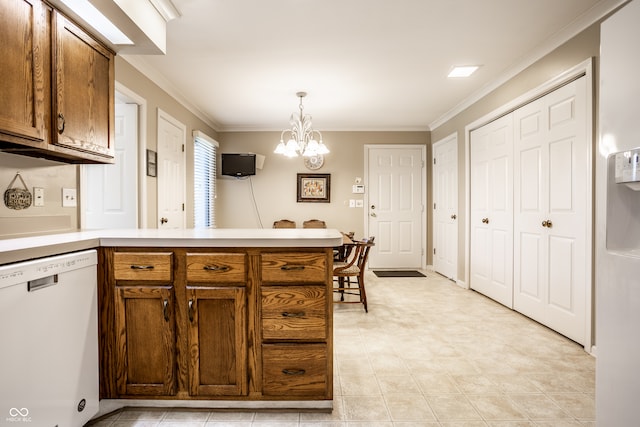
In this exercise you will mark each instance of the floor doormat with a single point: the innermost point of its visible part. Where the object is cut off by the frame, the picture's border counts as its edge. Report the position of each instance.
(398, 273)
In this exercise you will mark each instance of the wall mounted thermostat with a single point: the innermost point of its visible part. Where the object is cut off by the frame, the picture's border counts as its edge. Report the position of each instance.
(358, 189)
(627, 168)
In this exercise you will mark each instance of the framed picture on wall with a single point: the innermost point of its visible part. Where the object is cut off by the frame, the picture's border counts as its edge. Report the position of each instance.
(152, 160)
(314, 187)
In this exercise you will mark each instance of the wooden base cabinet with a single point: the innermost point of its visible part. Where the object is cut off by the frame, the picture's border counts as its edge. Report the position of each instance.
(224, 324)
(145, 341)
(217, 341)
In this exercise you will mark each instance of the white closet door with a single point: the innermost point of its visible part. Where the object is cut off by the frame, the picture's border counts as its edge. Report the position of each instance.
(491, 219)
(550, 203)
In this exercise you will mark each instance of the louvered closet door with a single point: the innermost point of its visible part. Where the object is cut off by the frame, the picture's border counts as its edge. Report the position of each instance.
(550, 210)
(491, 269)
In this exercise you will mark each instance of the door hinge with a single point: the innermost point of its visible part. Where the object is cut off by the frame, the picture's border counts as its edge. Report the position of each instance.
(434, 251)
(434, 206)
(434, 160)
(183, 148)
(183, 207)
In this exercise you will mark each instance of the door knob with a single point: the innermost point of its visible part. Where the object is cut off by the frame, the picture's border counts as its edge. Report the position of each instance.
(454, 216)
(163, 220)
(373, 214)
(485, 220)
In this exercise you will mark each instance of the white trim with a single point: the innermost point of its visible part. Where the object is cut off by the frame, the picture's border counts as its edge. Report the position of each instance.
(423, 219)
(584, 68)
(597, 12)
(196, 134)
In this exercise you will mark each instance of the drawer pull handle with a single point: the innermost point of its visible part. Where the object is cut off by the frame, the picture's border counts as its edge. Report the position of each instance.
(293, 371)
(288, 267)
(142, 267)
(165, 310)
(298, 314)
(220, 268)
(191, 310)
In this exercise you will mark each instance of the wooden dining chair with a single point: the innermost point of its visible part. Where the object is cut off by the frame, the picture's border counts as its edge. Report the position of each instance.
(284, 223)
(314, 223)
(354, 266)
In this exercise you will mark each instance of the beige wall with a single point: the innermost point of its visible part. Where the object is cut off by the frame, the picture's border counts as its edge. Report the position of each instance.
(52, 177)
(157, 98)
(582, 47)
(274, 186)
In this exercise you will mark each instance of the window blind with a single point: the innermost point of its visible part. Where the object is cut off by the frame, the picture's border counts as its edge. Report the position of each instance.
(204, 180)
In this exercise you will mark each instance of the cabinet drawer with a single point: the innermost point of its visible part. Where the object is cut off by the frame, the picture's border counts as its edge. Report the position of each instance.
(294, 312)
(143, 266)
(216, 268)
(294, 267)
(294, 370)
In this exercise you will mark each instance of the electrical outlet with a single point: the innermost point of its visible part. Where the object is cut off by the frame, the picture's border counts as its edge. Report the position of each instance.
(359, 203)
(69, 197)
(38, 196)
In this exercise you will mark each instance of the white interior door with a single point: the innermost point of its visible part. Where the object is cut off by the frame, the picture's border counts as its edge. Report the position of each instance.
(109, 192)
(491, 210)
(445, 206)
(551, 207)
(395, 183)
(171, 172)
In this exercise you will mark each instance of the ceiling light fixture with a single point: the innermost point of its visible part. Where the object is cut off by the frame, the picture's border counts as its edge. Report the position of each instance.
(463, 70)
(301, 136)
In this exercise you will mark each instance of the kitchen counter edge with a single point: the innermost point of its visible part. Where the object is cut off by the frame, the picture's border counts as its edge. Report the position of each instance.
(26, 248)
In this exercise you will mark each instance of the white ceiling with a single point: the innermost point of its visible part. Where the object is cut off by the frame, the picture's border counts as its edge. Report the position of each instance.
(366, 64)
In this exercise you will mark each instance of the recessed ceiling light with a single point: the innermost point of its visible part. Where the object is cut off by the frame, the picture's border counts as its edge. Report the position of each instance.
(463, 70)
(97, 20)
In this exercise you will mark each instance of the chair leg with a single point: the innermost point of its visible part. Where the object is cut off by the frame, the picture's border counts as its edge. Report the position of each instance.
(363, 293)
(341, 286)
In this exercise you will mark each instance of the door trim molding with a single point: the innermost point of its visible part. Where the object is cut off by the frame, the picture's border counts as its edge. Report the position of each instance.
(585, 69)
(423, 193)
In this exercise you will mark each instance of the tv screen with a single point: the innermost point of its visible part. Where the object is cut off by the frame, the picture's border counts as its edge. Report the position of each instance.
(236, 164)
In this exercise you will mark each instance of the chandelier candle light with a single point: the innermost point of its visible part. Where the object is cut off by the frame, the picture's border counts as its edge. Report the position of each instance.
(301, 136)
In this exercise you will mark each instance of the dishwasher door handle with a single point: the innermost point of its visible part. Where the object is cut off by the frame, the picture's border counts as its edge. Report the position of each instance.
(44, 282)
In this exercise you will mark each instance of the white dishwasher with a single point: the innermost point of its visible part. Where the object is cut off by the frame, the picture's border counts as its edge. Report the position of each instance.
(49, 341)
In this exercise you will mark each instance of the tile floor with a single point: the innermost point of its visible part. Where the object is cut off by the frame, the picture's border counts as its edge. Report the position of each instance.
(430, 353)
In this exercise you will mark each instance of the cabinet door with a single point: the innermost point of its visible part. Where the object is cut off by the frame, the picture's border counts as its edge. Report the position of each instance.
(83, 105)
(22, 24)
(217, 340)
(145, 340)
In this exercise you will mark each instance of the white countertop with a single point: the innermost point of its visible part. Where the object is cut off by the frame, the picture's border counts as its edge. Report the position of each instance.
(20, 249)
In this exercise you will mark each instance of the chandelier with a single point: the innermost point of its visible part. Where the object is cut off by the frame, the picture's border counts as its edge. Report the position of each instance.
(301, 136)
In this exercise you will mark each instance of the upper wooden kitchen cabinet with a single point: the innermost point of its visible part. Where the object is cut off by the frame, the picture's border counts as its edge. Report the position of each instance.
(83, 85)
(57, 84)
(23, 74)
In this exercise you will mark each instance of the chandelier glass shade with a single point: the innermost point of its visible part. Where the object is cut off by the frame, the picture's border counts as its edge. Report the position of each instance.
(301, 138)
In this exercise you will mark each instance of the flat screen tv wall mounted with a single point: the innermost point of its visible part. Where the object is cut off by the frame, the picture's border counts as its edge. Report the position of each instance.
(238, 164)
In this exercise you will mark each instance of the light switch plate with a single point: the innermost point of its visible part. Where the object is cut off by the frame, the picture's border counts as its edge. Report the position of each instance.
(359, 203)
(69, 197)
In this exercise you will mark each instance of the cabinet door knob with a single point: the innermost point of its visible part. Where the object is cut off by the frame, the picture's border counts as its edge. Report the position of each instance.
(60, 123)
(547, 223)
(165, 310)
(485, 220)
(190, 310)
(163, 220)
(454, 216)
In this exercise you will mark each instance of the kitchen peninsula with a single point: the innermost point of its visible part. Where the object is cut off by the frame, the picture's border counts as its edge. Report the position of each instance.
(216, 318)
